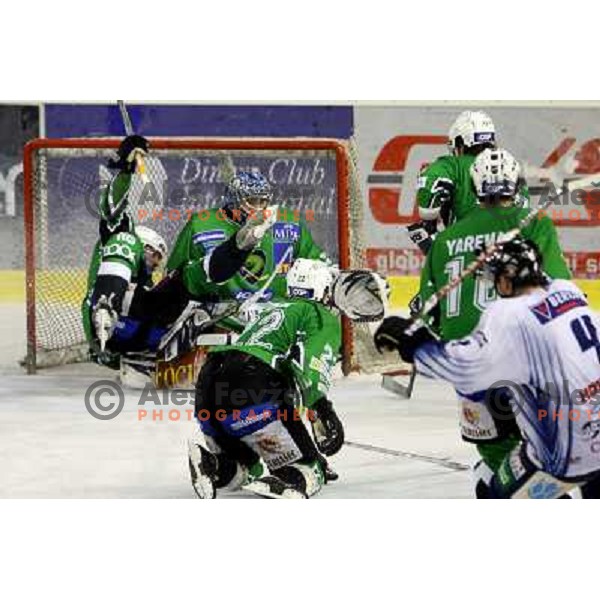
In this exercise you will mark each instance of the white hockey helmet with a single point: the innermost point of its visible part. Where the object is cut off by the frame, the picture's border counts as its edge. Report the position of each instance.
(473, 128)
(153, 240)
(310, 279)
(495, 173)
(361, 295)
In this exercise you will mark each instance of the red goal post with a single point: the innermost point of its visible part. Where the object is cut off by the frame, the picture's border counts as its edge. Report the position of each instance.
(61, 174)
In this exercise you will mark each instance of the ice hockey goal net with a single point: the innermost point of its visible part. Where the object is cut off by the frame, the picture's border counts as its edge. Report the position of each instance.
(63, 179)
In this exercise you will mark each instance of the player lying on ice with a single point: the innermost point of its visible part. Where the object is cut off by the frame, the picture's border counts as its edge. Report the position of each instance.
(120, 273)
(249, 396)
(538, 345)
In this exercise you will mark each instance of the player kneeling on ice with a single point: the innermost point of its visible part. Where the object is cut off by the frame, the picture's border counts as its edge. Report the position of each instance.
(250, 395)
(538, 345)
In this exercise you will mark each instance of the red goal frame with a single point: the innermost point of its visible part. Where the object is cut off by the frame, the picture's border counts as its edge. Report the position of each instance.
(343, 206)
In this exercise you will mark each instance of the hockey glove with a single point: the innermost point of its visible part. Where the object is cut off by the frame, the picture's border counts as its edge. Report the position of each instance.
(391, 334)
(130, 148)
(421, 234)
(327, 428)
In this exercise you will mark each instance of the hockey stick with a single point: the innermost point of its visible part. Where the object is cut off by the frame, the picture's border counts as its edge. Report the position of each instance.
(442, 462)
(391, 384)
(141, 165)
(434, 300)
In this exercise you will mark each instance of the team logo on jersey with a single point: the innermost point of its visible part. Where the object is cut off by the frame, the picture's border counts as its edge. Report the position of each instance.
(286, 232)
(254, 267)
(556, 305)
(209, 239)
(242, 295)
(472, 415)
(591, 429)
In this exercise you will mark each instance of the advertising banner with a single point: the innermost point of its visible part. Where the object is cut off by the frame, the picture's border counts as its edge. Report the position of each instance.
(559, 148)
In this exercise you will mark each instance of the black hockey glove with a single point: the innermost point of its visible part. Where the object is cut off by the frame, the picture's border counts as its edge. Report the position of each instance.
(421, 233)
(130, 146)
(391, 334)
(327, 428)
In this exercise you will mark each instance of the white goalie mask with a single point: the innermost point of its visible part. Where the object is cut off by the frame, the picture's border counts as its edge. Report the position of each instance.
(361, 295)
(310, 279)
(495, 174)
(474, 128)
(155, 243)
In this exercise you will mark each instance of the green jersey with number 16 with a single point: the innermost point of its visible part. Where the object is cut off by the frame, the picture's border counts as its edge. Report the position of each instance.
(459, 245)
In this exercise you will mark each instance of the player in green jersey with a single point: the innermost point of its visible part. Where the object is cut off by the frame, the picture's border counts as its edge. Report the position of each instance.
(495, 175)
(231, 252)
(123, 262)
(445, 192)
(249, 395)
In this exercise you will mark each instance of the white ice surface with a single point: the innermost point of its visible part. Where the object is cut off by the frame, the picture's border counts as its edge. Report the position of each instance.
(50, 446)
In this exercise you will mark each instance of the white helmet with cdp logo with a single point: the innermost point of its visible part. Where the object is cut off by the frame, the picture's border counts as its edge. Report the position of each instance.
(310, 279)
(472, 128)
(495, 174)
(360, 294)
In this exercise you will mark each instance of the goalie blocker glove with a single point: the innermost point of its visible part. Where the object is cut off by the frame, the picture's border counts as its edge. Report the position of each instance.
(327, 428)
(391, 334)
(129, 148)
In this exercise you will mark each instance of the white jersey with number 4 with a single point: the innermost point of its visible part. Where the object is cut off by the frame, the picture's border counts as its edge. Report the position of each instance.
(544, 347)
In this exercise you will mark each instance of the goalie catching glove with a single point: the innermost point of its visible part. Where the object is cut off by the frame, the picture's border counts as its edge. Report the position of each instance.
(327, 428)
(391, 335)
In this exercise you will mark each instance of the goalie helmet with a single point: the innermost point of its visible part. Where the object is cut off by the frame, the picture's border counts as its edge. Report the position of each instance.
(519, 260)
(495, 174)
(310, 279)
(361, 295)
(154, 241)
(471, 128)
(249, 190)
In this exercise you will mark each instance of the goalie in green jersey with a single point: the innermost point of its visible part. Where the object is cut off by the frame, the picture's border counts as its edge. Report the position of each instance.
(244, 247)
(249, 395)
(123, 262)
(495, 174)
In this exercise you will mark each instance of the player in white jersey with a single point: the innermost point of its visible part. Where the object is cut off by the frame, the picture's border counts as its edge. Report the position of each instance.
(539, 345)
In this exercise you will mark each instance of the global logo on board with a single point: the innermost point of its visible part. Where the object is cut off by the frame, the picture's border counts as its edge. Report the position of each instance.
(387, 182)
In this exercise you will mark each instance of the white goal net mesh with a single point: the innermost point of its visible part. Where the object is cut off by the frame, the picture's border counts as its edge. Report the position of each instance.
(318, 179)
